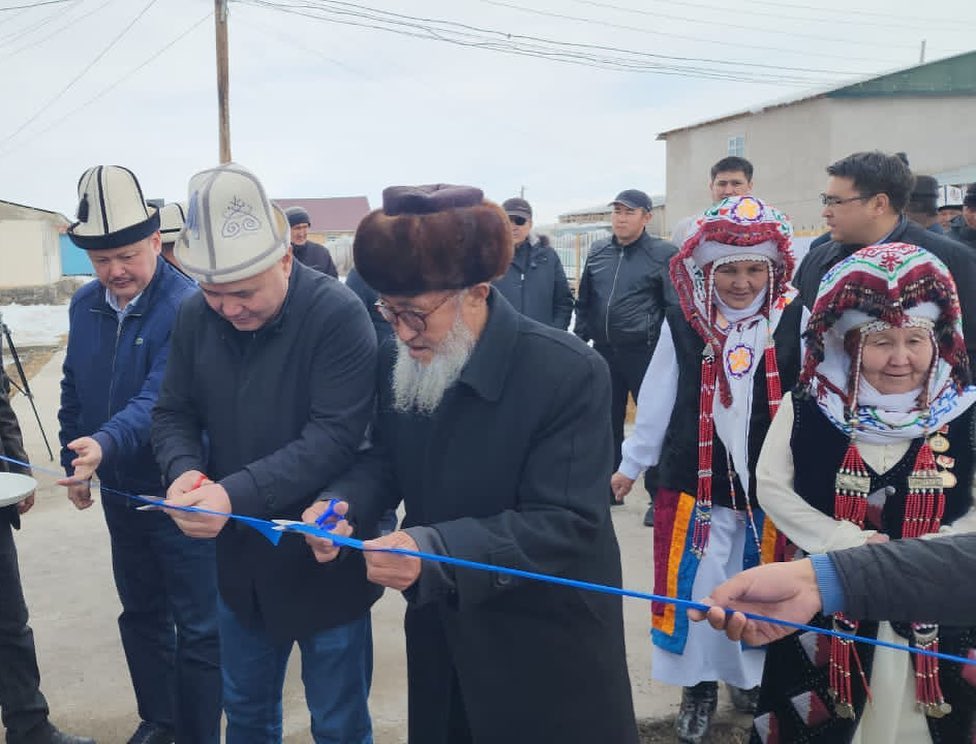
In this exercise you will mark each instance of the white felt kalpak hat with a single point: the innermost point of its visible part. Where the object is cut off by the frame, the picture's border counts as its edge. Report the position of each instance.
(112, 212)
(232, 231)
(172, 217)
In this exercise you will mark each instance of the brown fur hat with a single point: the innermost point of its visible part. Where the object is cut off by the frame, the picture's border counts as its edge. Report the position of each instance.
(429, 238)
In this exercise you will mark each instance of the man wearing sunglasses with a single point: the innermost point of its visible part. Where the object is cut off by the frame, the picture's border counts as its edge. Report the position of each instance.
(493, 430)
(863, 204)
(535, 282)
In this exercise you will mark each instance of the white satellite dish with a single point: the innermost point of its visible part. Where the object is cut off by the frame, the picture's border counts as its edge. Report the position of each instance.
(15, 487)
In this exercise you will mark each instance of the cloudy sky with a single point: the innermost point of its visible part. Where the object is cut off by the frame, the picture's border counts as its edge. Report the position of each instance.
(333, 98)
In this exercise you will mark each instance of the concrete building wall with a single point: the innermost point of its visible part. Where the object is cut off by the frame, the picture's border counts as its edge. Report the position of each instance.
(791, 146)
(28, 253)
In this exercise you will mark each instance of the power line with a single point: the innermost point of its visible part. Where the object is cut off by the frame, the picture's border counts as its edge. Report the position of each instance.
(39, 23)
(78, 77)
(778, 15)
(593, 21)
(69, 23)
(105, 91)
(461, 34)
(33, 5)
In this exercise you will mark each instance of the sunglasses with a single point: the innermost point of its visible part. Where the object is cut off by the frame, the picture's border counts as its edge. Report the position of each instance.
(516, 220)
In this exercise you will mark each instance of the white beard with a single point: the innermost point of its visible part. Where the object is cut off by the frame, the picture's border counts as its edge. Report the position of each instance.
(420, 386)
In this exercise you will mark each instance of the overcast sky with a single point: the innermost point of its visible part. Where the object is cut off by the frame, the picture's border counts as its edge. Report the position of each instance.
(320, 108)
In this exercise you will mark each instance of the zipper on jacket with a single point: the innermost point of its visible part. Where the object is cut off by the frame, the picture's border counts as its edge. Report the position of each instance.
(613, 287)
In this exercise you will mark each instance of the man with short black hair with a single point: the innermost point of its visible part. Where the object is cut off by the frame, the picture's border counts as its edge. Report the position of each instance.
(731, 176)
(314, 255)
(623, 292)
(863, 202)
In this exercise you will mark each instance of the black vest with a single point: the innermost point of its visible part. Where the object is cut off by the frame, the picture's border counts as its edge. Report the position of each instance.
(818, 450)
(678, 467)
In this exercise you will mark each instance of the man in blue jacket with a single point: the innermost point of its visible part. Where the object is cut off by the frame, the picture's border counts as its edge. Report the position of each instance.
(118, 344)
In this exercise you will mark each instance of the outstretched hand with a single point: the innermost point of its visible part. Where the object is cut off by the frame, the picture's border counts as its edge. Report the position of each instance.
(787, 591)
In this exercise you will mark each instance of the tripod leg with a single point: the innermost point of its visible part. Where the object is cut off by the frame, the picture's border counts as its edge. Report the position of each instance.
(26, 388)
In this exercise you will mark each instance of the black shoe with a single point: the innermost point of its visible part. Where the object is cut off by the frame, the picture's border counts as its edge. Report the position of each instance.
(744, 701)
(649, 516)
(698, 705)
(48, 733)
(152, 733)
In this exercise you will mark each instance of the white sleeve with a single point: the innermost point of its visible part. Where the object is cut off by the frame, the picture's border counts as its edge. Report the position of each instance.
(655, 401)
(806, 527)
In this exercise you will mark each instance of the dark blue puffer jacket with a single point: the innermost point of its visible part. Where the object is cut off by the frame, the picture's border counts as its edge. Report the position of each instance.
(112, 375)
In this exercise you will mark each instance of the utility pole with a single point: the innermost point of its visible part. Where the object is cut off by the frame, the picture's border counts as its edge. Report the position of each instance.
(522, 193)
(921, 56)
(223, 81)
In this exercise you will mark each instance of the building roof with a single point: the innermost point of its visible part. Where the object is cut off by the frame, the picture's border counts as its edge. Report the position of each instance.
(333, 213)
(953, 76)
(14, 211)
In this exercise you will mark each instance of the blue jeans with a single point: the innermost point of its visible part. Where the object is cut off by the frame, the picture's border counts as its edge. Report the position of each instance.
(167, 584)
(337, 669)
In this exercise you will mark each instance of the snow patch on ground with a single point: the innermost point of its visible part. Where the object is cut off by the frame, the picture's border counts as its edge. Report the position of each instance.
(35, 325)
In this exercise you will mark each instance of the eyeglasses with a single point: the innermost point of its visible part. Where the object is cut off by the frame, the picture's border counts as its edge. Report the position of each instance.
(413, 319)
(833, 201)
(515, 219)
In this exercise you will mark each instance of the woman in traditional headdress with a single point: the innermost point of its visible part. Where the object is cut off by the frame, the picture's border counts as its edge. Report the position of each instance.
(709, 394)
(877, 445)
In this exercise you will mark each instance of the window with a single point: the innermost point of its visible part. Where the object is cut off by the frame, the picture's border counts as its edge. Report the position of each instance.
(737, 146)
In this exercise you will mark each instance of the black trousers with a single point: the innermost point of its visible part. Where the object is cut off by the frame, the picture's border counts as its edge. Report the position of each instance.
(23, 708)
(628, 364)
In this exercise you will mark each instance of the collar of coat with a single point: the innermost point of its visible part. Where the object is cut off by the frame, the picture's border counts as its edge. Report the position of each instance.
(487, 369)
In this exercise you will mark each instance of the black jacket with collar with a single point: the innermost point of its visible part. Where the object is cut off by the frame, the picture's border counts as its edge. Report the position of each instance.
(315, 256)
(284, 410)
(624, 291)
(535, 284)
(960, 260)
(511, 469)
(961, 231)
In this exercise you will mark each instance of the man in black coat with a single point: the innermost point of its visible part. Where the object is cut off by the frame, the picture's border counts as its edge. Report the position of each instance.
(23, 707)
(266, 399)
(494, 431)
(863, 202)
(963, 228)
(623, 292)
(314, 255)
(535, 283)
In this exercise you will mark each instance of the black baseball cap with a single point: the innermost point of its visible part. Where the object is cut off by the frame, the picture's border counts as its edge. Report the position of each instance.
(516, 207)
(633, 199)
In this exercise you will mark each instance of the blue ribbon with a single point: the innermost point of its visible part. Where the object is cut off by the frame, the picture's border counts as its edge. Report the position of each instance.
(273, 531)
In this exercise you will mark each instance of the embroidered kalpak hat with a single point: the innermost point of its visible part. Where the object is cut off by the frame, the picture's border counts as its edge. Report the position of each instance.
(172, 217)
(112, 211)
(232, 231)
(897, 284)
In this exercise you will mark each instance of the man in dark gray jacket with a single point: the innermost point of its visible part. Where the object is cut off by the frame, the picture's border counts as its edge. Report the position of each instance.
(265, 401)
(535, 283)
(901, 581)
(865, 196)
(623, 292)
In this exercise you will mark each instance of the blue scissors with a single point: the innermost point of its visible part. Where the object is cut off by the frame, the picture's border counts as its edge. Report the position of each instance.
(329, 512)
